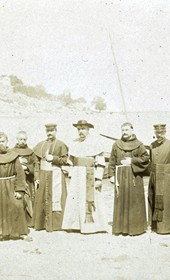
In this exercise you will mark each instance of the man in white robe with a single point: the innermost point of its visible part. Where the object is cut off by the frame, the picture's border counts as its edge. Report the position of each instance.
(84, 210)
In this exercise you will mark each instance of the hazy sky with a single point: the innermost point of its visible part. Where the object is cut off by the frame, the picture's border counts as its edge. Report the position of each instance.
(66, 45)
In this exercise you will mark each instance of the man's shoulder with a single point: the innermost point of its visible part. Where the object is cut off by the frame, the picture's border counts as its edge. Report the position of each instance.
(153, 143)
(118, 143)
(156, 144)
(37, 148)
(167, 141)
(23, 151)
(60, 142)
(39, 144)
(8, 157)
(127, 145)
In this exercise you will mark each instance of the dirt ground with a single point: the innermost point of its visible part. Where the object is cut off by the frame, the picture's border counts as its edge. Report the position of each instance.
(74, 256)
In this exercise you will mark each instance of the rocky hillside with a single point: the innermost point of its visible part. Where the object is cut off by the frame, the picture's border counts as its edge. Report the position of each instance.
(16, 98)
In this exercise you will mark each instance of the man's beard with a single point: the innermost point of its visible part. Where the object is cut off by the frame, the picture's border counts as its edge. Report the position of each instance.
(3, 149)
(126, 137)
(22, 145)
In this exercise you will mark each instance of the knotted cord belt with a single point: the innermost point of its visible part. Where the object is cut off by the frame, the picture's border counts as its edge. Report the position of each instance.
(7, 178)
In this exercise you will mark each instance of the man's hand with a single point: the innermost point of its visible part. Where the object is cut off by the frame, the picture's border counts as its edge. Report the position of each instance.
(98, 185)
(69, 162)
(126, 161)
(24, 167)
(112, 179)
(36, 184)
(17, 195)
(49, 158)
(23, 161)
(37, 181)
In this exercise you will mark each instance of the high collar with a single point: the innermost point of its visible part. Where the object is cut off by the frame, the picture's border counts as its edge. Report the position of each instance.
(156, 144)
(51, 140)
(22, 151)
(8, 157)
(161, 142)
(129, 144)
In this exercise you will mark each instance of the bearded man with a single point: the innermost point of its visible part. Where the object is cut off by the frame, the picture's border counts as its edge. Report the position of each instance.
(85, 209)
(51, 194)
(128, 161)
(30, 165)
(159, 183)
(13, 223)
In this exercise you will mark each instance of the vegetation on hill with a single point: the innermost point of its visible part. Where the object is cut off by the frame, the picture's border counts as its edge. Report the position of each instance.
(15, 92)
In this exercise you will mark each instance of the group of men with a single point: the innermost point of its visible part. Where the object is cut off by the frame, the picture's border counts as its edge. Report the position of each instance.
(34, 192)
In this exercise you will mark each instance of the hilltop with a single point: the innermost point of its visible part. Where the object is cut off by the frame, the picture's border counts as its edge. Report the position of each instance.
(16, 98)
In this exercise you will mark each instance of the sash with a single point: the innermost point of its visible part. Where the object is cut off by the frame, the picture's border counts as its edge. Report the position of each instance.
(56, 183)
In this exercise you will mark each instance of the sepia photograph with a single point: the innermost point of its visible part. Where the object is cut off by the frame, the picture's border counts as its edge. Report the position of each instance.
(85, 139)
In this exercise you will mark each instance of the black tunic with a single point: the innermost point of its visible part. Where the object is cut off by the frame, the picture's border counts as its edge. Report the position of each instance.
(129, 205)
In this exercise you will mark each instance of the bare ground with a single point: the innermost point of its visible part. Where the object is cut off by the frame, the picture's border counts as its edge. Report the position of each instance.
(73, 256)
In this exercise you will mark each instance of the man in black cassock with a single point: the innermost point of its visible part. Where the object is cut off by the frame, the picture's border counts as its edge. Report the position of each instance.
(128, 160)
(159, 183)
(51, 194)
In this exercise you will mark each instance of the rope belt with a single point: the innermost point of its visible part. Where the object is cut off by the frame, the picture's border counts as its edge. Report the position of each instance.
(7, 178)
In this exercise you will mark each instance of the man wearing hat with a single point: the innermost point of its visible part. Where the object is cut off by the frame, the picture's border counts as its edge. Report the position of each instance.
(51, 194)
(159, 183)
(84, 209)
(29, 163)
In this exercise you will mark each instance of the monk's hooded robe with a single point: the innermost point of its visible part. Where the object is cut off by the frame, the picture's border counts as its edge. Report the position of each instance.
(85, 209)
(31, 174)
(129, 216)
(159, 187)
(12, 216)
(51, 195)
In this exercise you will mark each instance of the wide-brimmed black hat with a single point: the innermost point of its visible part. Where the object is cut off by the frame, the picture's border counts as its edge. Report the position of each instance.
(160, 127)
(83, 122)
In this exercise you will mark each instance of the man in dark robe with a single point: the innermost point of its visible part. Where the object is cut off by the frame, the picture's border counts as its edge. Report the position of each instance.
(13, 223)
(85, 209)
(128, 160)
(159, 183)
(30, 165)
(51, 194)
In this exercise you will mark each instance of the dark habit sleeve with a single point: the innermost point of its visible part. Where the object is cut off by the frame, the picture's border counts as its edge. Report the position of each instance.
(33, 166)
(30, 165)
(20, 183)
(141, 162)
(112, 162)
(61, 159)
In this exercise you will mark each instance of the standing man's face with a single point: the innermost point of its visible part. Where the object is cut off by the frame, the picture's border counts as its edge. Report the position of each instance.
(3, 144)
(22, 140)
(160, 135)
(127, 131)
(83, 131)
(51, 133)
